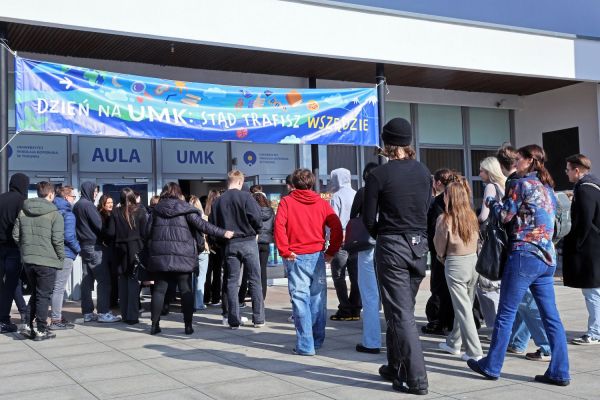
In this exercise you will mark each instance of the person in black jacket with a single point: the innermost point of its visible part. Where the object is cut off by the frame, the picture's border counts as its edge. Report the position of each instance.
(126, 228)
(581, 249)
(265, 236)
(11, 204)
(397, 198)
(238, 211)
(173, 252)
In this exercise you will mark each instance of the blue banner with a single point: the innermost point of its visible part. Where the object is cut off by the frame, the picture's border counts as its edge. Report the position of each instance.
(57, 98)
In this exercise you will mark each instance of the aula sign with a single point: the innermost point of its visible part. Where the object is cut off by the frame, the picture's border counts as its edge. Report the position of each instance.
(190, 157)
(115, 155)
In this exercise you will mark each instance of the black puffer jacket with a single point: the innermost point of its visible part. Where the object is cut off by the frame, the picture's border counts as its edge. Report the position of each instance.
(11, 203)
(171, 243)
(265, 233)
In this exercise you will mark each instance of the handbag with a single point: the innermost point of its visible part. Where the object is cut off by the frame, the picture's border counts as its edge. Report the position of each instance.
(138, 268)
(490, 263)
(358, 237)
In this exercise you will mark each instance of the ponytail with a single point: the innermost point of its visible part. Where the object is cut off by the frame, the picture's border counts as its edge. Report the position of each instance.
(537, 156)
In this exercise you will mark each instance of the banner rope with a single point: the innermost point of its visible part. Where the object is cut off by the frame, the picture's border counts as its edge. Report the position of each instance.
(4, 44)
(383, 82)
(10, 140)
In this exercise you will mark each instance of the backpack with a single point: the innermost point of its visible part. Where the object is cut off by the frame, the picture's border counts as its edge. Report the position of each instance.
(562, 223)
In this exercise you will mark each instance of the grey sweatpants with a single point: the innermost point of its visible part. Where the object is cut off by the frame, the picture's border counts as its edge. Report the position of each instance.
(60, 283)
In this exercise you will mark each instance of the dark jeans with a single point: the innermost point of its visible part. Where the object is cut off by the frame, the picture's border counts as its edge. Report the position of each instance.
(129, 298)
(440, 314)
(263, 256)
(400, 271)
(349, 305)
(10, 271)
(246, 253)
(94, 267)
(19, 300)
(213, 285)
(41, 279)
(161, 283)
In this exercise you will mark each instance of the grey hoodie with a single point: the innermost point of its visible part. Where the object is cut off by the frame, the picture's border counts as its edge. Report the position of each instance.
(343, 194)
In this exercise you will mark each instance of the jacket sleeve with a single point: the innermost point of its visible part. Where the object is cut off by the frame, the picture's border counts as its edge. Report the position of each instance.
(336, 233)
(196, 221)
(70, 234)
(440, 239)
(16, 233)
(369, 211)
(111, 230)
(58, 235)
(507, 211)
(585, 212)
(280, 231)
(253, 213)
(147, 231)
(357, 203)
(94, 219)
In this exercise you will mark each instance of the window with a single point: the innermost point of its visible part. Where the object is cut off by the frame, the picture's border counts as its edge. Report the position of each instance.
(442, 158)
(477, 156)
(440, 124)
(488, 126)
(394, 109)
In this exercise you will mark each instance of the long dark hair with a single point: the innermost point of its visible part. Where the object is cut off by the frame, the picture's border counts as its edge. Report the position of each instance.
(129, 206)
(171, 190)
(210, 200)
(102, 206)
(537, 155)
(262, 200)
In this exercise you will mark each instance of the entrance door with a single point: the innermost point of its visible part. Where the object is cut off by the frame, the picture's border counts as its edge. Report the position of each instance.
(113, 188)
(250, 181)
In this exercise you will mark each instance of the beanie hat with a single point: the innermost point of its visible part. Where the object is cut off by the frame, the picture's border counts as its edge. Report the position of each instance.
(397, 132)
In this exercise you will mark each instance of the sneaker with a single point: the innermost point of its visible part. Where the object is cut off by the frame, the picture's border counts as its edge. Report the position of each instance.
(44, 335)
(60, 325)
(215, 304)
(242, 305)
(340, 317)
(243, 321)
(537, 356)
(91, 317)
(388, 373)
(260, 325)
(8, 327)
(296, 352)
(514, 350)
(466, 357)
(369, 350)
(433, 330)
(585, 340)
(400, 387)
(444, 347)
(108, 318)
(474, 365)
(550, 381)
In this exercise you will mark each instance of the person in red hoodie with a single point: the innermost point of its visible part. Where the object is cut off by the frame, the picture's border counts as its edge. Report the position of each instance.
(300, 238)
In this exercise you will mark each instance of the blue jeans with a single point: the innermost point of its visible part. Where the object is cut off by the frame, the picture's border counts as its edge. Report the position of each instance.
(307, 285)
(525, 270)
(10, 272)
(369, 293)
(592, 301)
(200, 280)
(528, 324)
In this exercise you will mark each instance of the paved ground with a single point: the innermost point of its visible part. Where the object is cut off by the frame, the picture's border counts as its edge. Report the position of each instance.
(118, 361)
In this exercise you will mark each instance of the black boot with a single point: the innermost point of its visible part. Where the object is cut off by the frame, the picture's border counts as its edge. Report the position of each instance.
(155, 328)
(188, 328)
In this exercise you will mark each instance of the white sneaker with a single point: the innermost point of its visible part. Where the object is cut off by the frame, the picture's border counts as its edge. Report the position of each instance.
(261, 325)
(466, 357)
(108, 318)
(243, 321)
(91, 317)
(444, 347)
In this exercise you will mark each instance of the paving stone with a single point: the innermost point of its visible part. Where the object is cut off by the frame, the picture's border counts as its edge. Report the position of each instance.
(25, 383)
(136, 385)
(261, 387)
(109, 371)
(67, 392)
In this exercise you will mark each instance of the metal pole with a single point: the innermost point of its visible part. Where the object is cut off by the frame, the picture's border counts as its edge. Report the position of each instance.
(3, 110)
(314, 148)
(380, 79)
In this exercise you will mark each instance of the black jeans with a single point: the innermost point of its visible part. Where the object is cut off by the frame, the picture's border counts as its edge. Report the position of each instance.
(10, 271)
(400, 267)
(213, 285)
(246, 253)
(343, 261)
(129, 297)
(263, 256)
(41, 279)
(439, 311)
(161, 283)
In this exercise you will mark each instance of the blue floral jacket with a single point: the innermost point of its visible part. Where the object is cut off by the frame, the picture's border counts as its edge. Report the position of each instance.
(529, 212)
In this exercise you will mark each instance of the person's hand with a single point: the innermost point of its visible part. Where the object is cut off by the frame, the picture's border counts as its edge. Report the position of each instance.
(328, 258)
(228, 234)
(291, 257)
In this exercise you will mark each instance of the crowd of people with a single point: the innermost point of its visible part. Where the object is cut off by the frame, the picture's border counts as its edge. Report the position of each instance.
(216, 254)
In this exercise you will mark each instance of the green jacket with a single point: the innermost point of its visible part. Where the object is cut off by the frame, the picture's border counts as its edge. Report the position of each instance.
(40, 234)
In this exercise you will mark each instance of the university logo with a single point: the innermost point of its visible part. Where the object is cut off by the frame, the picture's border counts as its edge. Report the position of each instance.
(250, 158)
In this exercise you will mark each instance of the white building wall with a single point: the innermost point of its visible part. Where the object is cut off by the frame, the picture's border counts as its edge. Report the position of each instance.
(568, 107)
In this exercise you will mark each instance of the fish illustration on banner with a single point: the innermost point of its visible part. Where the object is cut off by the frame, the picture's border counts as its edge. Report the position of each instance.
(58, 98)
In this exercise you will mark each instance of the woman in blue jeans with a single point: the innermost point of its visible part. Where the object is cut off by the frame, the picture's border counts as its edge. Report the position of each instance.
(529, 212)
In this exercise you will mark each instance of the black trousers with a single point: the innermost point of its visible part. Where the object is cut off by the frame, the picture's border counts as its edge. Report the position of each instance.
(161, 284)
(439, 311)
(212, 286)
(400, 266)
(263, 256)
(41, 279)
(129, 297)
(350, 305)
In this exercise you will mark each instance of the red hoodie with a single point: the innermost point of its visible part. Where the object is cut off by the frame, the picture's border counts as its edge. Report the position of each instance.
(300, 224)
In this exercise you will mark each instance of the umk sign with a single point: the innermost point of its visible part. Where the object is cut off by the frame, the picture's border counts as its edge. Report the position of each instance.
(189, 157)
(115, 155)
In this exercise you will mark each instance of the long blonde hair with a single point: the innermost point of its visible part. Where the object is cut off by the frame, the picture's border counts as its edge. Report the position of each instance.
(459, 212)
(491, 165)
(195, 202)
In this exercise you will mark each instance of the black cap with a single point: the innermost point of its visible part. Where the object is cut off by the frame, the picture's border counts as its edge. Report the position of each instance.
(397, 132)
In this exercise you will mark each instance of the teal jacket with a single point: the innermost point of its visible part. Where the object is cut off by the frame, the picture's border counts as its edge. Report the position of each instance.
(40, 234)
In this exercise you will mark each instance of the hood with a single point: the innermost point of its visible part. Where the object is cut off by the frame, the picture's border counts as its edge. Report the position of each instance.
(62, 204)
(266, 212)
(36, 207)
(589, 178)
(305, 196)
(339, 178)
(169, 208)
(87, 191)
(19, 183)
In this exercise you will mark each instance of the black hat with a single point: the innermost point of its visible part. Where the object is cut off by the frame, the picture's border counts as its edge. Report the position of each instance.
(397, 132)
